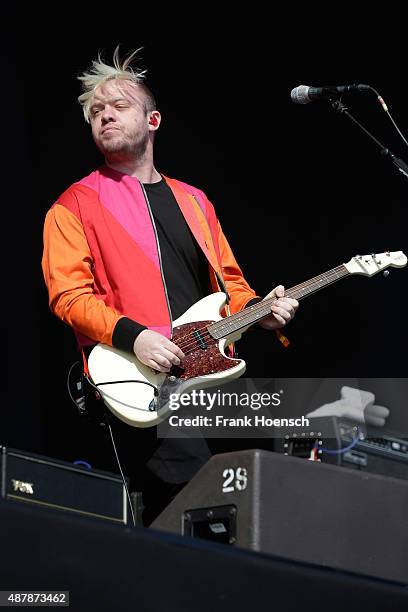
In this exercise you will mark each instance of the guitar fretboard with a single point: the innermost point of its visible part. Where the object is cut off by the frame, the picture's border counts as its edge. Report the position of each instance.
(253, 314)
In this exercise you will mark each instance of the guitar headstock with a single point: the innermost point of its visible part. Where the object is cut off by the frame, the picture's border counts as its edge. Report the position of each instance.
(376, 262)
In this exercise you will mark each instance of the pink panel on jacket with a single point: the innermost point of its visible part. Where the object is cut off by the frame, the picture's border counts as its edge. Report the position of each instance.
(123, 196)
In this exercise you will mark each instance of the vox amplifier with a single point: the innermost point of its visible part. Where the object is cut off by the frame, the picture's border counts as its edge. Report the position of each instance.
(52, 483)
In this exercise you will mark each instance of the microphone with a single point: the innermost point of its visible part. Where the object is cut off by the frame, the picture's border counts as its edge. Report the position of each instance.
(303, 94)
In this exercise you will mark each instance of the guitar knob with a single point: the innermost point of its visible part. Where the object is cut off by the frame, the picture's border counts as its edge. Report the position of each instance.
(152, 405)
(386, 273)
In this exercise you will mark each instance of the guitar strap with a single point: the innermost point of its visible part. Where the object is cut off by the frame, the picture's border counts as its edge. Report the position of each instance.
(220, 279)
(282, 339)
(85, 363)
(202, 212)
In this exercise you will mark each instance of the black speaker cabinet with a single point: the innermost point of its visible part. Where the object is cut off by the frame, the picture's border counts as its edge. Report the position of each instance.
(301, 510)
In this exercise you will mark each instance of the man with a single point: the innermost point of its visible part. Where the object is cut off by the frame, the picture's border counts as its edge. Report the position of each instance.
(127, 251)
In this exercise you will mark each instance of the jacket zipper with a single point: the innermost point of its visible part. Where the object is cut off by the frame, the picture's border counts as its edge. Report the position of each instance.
(160, 259)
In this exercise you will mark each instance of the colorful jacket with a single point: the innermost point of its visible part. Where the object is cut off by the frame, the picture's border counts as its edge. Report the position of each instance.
(101, 259)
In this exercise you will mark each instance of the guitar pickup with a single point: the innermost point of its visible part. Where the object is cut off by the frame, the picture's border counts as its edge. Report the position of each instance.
(201, 342)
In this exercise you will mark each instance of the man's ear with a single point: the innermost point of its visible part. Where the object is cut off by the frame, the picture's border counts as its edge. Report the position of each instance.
(154, 120)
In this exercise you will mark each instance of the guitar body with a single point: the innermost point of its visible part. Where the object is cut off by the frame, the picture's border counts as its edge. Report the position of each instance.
(205, 365)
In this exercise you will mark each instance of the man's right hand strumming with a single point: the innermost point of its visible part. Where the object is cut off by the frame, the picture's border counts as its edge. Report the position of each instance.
(157, 351)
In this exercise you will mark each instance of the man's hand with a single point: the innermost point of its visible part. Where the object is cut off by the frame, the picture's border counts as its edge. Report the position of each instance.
(157, 351)
(283, 310)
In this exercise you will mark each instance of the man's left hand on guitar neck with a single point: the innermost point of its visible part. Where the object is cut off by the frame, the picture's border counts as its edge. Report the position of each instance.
(282, 311)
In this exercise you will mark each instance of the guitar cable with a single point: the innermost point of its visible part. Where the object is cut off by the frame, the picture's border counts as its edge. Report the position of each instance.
(120, 468)
(80, 403)
(114, 382)
(340, 451)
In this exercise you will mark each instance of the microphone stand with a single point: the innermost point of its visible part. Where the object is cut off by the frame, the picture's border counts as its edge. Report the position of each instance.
(338, 106)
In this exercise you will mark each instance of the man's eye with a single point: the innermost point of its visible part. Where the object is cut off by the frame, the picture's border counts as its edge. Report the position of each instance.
(95, 112)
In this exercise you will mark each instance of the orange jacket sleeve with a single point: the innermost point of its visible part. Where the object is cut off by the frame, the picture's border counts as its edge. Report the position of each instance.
(67, 268)
(239, 291)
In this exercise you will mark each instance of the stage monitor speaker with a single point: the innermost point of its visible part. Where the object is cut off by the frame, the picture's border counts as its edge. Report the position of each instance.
(300, 510)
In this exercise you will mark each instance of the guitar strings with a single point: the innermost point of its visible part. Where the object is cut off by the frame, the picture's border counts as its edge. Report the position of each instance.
(263, 307)
(290, 292)
(187, 341)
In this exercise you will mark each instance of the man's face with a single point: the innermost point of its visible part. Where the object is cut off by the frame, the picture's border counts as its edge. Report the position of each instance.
(120, 125)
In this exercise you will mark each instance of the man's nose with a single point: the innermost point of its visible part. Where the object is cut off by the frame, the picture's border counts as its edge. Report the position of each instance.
(107, 114)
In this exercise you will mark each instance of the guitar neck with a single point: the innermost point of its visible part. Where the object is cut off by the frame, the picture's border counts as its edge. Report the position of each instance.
(257, 312)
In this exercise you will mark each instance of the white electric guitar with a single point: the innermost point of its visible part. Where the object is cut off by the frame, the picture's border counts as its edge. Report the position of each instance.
(139, 396)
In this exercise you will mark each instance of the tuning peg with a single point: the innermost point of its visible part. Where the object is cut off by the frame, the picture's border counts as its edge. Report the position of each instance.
(386, 273)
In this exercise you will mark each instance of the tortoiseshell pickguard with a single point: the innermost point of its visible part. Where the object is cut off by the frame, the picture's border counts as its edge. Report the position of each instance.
(199, 361)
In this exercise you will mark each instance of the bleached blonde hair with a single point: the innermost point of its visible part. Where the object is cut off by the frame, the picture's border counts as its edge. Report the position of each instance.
(100, 73)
